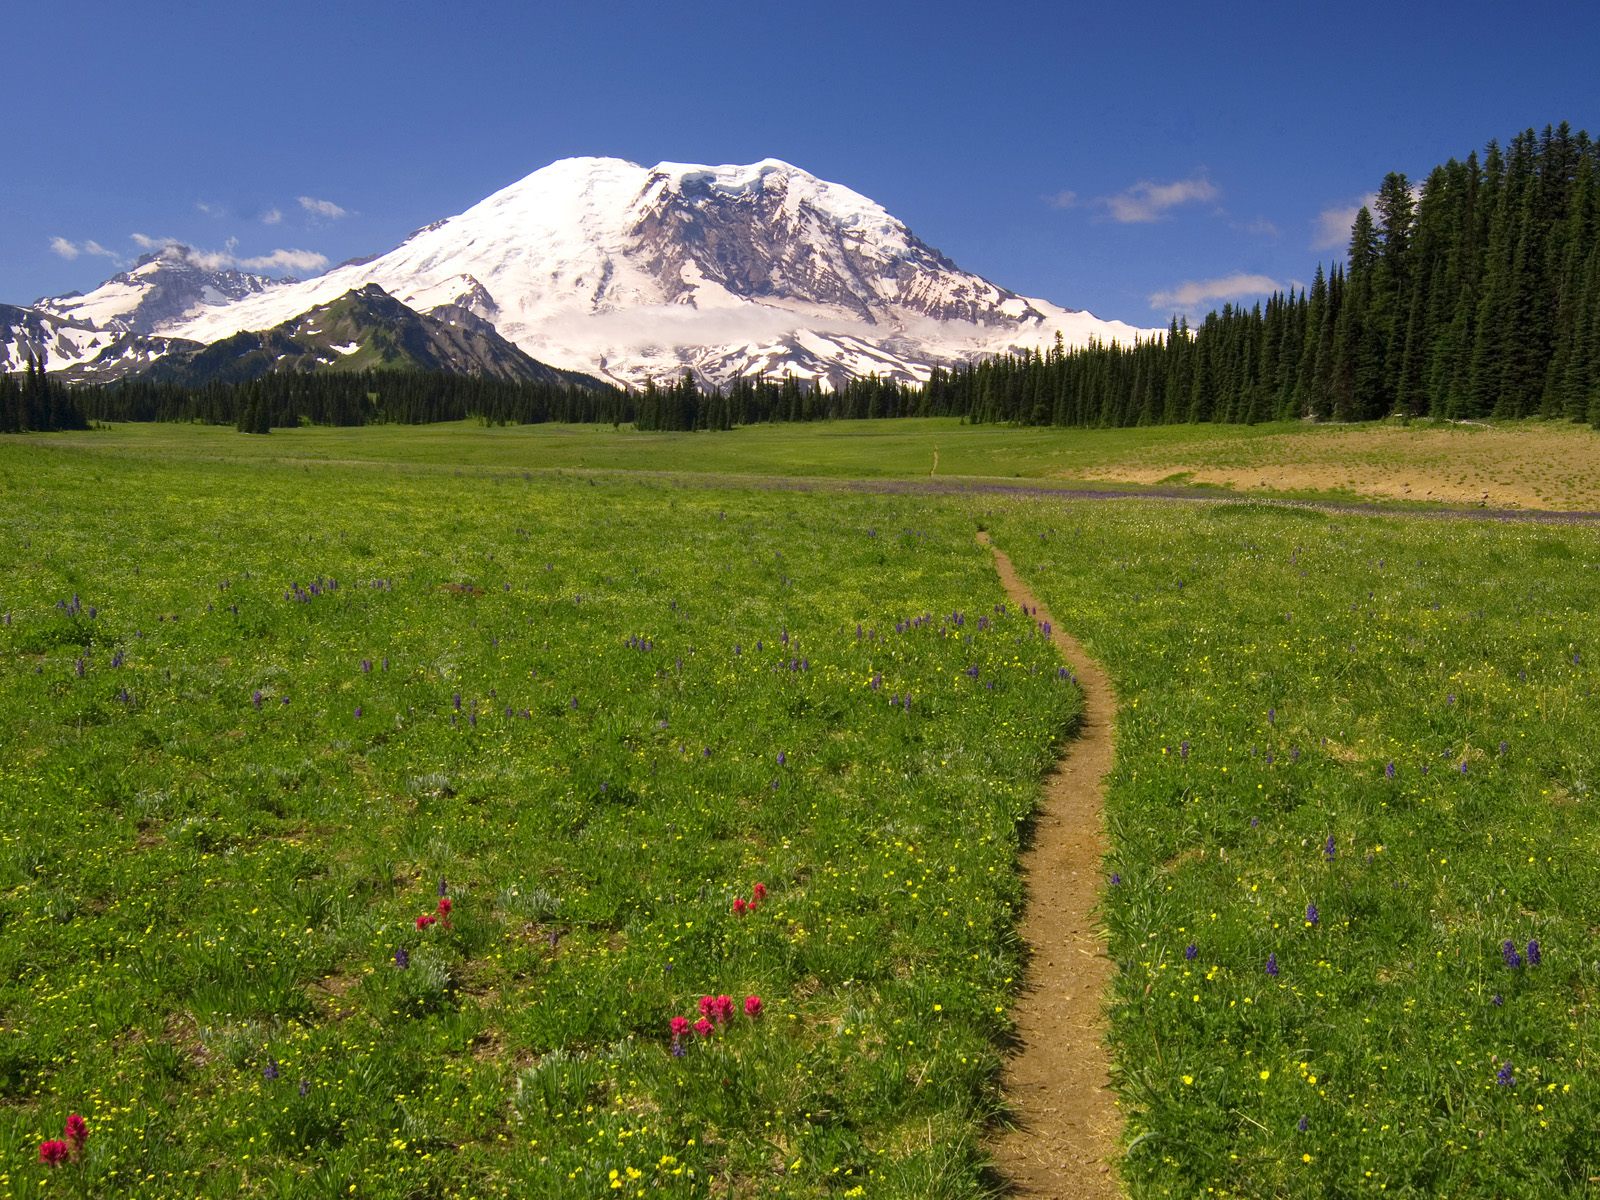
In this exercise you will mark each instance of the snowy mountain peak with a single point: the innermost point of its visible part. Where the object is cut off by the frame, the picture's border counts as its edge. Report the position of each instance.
(171, 284)
(633, 272)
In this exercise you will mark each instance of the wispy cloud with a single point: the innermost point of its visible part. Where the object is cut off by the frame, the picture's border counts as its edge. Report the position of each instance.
(1260, 227)
(285, 260)
(1188, 296)
(272, 216)
(209, 209)
(1066, 199)
(71, 250)
(1330, 229)
(322, 208)
(1149, 201)
(220, 260)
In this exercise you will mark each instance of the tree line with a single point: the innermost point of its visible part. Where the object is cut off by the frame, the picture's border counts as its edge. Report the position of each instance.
(1475, 294)
(35, 403)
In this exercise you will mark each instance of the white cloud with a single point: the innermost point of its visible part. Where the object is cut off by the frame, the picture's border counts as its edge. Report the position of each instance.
(71, 250)
(221, 260)
(1067, 199)
(1149, 201)
(321, 208)
(1330, 229)
(1188, 296)
(210, 210)
(272, 216)
(285, 260)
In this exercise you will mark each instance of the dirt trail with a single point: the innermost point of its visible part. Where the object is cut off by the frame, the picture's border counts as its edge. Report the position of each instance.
(1058, 1082)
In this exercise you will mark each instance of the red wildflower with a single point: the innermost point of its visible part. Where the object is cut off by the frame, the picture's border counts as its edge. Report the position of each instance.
(739, 906)
(53, 1153)
(708, 1005)
(445, 906)
(680, 1026)
(703, 1027)
(723, 1009)
(759, 891)
(425, 920)
(77, 1130)
(752, 1006)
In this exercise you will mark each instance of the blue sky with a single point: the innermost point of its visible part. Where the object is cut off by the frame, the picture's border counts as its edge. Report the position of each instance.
(1131, 160)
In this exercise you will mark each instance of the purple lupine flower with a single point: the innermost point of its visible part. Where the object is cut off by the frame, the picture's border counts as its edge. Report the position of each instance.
(455, 699)
(1272, 716)
(444, 886)
(1388, 771)
(402, 957)
(1191, 952)
(1312, 916)
(1497, 1000)
(1508, 951)
(1303, 1124)
(1254, 822)
(1535, 955)
(358, 712)
(1504, 747)
(1183, 748)
(1506, 1077)
(366, 666)
(270, 1071)
(1294, 754)
(1463, 766)
(1272, 964)
(1330, 849)
(782, 758)
(1116, 878)
(256, 698)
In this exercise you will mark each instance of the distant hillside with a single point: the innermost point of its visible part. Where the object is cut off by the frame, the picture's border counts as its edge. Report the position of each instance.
(362, 330)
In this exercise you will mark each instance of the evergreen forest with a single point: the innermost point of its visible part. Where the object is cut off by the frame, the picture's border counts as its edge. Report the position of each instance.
(1475, 294)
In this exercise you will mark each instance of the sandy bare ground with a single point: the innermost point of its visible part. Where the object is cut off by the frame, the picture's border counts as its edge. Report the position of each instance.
(1058, 1083)
(1552, 466)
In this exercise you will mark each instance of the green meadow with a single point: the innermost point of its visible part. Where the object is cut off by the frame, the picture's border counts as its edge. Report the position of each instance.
(266, 702)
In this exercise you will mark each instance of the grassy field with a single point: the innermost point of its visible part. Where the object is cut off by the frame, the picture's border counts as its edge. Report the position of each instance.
(264, 702)
(257, 721)
(1547, 465)
(1353, 816)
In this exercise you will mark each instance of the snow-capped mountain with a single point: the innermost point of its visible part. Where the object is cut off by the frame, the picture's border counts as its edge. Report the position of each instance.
(366, 329)
(172, 285)
(75, 349)
(626, 272)
(631, 272)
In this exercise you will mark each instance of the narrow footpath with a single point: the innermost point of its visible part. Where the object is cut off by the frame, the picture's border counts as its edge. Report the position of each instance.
(1058, 1082)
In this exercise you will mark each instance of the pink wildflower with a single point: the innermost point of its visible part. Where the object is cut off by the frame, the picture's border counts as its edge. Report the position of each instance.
(53, 1153)
(752, 1006)
(723, 1008)
(77, 1131)
(680, 1026)
(759, 891)
(739, 906)
(425, 920)
(703, 1027)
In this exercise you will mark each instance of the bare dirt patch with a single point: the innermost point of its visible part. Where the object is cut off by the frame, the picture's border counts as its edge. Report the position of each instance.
(1067, 1125)
(1545, 466)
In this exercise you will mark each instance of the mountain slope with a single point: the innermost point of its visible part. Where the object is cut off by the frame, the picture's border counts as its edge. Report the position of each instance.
(602, 265)
(365, 329)
(172, 285)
